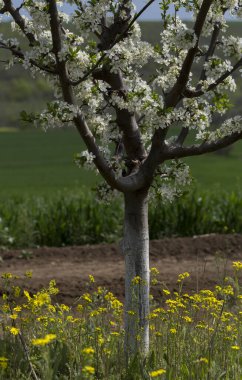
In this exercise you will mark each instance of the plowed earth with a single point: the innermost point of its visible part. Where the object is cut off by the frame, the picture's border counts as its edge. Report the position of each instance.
(208, 258)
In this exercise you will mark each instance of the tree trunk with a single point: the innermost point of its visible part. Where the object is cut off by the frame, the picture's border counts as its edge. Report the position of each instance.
(137, 274)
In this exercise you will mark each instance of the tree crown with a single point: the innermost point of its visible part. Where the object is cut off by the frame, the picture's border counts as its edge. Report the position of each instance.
(96, 61)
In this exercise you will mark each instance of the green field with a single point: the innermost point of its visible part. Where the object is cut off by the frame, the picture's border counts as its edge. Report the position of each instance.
(37, 162)
(40, 162)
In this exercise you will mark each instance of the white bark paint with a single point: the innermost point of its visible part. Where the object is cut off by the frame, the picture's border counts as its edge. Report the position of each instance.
(136, 252)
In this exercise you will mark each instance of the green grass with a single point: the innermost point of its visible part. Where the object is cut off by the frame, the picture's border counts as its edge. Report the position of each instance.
(214, 171)
(37, 162)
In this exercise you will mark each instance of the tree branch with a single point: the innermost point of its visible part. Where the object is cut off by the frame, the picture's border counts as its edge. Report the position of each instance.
(176, 92)
(126, 120)
(197, 150)
(16, 52)
(8, 7)
(185, 131)
(194, 94)
(211, 49)
(68, 95)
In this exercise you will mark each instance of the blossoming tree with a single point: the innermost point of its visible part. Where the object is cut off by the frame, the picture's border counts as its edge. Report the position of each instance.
(135, 128)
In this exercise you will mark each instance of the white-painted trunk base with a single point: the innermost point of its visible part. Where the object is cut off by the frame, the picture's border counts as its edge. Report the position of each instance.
(137, 274)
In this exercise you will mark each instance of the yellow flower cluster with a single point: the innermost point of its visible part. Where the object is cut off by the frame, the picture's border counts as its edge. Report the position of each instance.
(43, 341)
(3, 362)
(93, 333)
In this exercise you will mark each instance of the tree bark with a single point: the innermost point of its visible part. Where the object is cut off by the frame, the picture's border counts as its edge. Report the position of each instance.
(137, 274)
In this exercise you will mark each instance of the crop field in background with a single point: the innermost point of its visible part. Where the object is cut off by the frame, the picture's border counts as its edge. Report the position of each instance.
(38, 162)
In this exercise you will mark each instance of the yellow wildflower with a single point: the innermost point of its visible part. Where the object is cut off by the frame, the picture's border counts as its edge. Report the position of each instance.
(203, 360)
(17, 291)
(64, 307)
(52, 308)
(166, 292)
(136, 280)
(28, 274)
(154, 281)
(43, 341)
(100, 340)
(154, 271)
(41, 299)
(88, 351)
(237, 265)
(173, 331)
(89, 369)
(187, 319)
(116, 304)
(182, 276)
(79, 307)
(91, 278)
(14, 330)
(94, 313)
(3, 362)
(108, 297)
(52, 288)
(26, 293)
(7, 275)
(86, 297)
(157, 373)
(17, 309)
(4, 296)
(13, 316)
(5, 308)
(235, 347)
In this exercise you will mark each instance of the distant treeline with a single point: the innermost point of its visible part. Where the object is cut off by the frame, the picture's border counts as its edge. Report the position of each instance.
(19, 92)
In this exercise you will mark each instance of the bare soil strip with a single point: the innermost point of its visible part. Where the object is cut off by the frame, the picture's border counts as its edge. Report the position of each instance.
(207, 258)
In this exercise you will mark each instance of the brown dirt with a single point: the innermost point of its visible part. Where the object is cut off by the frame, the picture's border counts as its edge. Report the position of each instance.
(208, 259)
